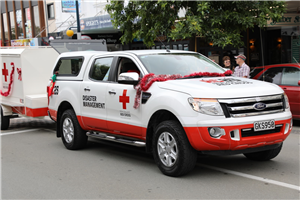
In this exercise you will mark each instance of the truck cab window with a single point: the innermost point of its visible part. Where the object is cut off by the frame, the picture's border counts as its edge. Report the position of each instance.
(100, 69)
(68, 66)
(127, 65)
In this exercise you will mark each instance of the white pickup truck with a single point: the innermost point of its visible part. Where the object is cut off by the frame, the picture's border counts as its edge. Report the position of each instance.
(176, 104)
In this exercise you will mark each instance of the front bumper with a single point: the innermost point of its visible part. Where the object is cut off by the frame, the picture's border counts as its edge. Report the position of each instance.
(239, 133)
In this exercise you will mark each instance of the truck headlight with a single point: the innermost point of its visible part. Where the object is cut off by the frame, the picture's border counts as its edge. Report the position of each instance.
(206, 106)
(286, 100)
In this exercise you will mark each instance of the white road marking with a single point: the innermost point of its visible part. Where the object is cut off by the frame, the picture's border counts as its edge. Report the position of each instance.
(17, 132)
(266, 180)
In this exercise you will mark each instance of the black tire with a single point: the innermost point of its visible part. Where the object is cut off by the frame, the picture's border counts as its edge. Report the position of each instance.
(264, 155)
(72, 135)
(5, 121)
(183, 156)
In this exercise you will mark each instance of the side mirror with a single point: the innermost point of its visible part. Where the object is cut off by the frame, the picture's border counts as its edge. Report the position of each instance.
(299, 82)
(131, 78)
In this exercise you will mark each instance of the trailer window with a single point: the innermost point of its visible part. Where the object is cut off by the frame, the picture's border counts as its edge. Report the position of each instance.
(68, 66)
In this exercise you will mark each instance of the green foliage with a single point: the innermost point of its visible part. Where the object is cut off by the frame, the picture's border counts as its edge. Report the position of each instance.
(220, 22)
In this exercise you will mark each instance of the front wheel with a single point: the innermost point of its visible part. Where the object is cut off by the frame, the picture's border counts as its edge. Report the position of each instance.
(73, 136)
(172, 151)
(264, 155)
(5, 121)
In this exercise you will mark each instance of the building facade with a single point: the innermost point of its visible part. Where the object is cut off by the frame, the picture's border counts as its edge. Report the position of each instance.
(21, 20)
(277, 43)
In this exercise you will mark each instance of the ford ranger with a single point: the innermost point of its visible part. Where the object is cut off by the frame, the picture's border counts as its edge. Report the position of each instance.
(176, 104)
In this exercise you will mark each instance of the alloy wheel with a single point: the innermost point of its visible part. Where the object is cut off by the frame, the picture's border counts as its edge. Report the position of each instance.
(167, 149)
(68, 130)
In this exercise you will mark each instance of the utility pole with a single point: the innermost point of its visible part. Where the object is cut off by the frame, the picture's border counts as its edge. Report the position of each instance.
(78, 21)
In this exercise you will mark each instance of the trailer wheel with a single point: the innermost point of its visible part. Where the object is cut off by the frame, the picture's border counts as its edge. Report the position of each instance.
(172, 151)
(5, 120)
(73, 136)
(264, 155)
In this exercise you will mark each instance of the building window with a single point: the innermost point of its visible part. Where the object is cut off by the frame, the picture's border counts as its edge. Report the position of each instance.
(19, 24)
(4, 18)
(28, 23)
(12, 25)
(50, 10)
(37, 28)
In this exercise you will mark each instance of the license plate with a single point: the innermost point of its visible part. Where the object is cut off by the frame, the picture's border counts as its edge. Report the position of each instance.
(264, 125)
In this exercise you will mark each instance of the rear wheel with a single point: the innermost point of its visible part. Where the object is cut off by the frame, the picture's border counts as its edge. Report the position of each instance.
(172, 151)
(264, 155)
(5, 120)
(73, 136)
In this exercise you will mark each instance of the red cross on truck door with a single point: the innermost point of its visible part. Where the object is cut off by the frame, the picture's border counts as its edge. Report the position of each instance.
(124, 99)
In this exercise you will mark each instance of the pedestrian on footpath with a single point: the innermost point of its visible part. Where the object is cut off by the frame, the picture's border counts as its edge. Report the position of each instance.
(227, 63)
(242, 70)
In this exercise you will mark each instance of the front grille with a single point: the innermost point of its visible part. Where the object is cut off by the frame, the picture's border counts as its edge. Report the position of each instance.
(250, 132)
(244, 107)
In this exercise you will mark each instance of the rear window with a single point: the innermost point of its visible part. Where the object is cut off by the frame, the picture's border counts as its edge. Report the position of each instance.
(255, 71)
(69, 66)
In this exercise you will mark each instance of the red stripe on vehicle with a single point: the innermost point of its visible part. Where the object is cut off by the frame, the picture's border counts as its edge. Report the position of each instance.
(36, 112)
(19, 110)
(53, 114)
(120, 128)
(30, 112)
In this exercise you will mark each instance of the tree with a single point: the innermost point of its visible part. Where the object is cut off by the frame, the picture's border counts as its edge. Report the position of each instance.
(219, 22)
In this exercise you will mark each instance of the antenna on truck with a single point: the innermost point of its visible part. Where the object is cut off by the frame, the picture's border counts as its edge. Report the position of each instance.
(168, 50)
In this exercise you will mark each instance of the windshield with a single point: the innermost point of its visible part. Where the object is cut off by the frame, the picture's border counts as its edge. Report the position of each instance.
(183, 64)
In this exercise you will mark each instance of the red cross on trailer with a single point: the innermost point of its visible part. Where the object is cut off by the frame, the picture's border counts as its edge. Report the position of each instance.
(5, 72)
(124, 99)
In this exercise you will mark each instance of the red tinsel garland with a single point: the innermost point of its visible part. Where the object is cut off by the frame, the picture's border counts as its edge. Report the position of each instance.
(10, 82)
(146, 82)
(20, 74)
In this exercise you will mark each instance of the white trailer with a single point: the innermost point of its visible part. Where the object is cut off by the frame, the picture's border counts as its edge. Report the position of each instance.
(25, 74)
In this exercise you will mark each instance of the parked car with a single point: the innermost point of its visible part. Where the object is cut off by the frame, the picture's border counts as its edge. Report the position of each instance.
(287, 76)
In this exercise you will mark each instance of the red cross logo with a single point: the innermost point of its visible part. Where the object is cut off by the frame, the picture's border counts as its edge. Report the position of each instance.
(124, 99)
(5, 72)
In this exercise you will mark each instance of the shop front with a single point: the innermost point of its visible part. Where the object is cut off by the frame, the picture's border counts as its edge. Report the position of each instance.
(278, 43)
(100, 27)
(217, 53)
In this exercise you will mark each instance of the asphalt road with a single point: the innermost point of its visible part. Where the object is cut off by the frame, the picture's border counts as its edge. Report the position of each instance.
(36, 165)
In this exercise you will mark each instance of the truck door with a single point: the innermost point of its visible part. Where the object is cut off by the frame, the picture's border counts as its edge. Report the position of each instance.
(93, 91)
(122, 118)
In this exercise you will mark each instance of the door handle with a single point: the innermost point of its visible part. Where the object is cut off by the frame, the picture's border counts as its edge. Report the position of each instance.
(87, 89)
(111, 92)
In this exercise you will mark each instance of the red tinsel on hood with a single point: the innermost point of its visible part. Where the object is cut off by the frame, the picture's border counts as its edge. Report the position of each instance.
(146, 82)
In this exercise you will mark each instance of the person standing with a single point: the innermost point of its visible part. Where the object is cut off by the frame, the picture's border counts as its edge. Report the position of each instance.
(227, 63)
(242, 70)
